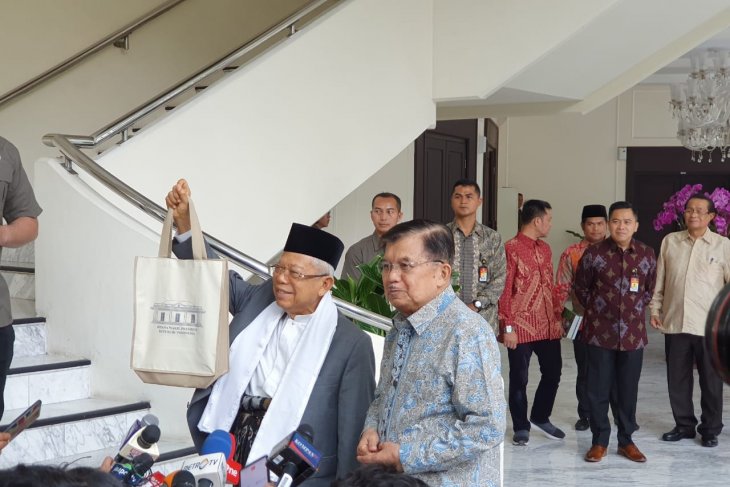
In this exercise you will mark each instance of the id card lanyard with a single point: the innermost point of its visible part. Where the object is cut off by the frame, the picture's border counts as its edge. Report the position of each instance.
(483, 275)
(634, 282)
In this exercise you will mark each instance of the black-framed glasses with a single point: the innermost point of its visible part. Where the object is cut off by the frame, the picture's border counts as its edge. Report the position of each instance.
(279, 270)
(403, 267)
(696, 211)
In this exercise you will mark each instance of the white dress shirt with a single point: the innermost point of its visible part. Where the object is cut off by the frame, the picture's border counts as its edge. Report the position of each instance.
(267, 376)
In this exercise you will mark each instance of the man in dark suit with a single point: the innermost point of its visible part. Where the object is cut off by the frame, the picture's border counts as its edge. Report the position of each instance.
(293, 358)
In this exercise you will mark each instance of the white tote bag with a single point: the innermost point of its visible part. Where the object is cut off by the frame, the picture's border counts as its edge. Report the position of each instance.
(180, 314)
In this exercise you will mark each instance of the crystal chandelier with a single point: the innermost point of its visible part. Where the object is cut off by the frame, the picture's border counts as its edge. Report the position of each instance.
(702, 105)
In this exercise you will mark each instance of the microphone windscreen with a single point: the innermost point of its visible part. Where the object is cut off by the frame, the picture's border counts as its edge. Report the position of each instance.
(142, 463)
(183, 478)
(149, 419)
(170, 476)
(218, 441)
(150, 434)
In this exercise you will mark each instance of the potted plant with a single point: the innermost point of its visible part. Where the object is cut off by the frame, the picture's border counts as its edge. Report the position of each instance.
(673, 209)
(368, 293)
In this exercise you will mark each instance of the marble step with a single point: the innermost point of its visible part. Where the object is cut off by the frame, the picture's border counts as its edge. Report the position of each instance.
(173, 453)
(30, 336)
(50, 378)
(71, 429)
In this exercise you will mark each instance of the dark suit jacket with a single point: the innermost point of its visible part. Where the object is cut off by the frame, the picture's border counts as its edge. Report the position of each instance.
(341, 395)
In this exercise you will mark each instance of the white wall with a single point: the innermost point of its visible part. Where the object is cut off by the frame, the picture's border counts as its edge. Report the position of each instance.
(567, 160)
(38, 34)
(288, 136)
(571, 160)
(282, 139)
(351, 216)
(112, 82)
(645, 119)
(85, 260)
(479, 45)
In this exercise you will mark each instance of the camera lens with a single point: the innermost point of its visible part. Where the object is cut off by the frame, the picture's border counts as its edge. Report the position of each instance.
(717, 333)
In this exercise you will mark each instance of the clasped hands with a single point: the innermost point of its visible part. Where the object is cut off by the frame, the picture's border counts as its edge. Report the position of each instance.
(371, 451)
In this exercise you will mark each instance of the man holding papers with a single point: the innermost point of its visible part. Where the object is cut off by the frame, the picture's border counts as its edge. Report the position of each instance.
(593, 223)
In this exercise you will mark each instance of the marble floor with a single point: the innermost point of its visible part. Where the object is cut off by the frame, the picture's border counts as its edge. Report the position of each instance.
(546, 462)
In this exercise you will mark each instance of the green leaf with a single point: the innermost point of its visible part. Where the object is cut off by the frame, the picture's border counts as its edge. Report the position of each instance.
(367, 292)
(378, 304)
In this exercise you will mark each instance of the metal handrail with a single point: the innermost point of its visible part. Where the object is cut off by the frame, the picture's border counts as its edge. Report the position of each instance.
(128, 119)
(68, 146)
(83, 54)
(156, 211)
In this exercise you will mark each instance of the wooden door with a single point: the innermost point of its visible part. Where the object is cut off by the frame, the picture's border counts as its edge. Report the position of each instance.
(489, 178)
(444, 164)
(442, 156)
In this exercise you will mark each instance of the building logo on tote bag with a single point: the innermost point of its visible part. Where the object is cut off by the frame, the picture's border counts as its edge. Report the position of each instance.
(178, 318)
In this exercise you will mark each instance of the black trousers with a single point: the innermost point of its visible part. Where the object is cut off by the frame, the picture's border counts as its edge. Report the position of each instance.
(607, 369)
(683, 352)
(551, 364)
(7, 339)
(580, 351)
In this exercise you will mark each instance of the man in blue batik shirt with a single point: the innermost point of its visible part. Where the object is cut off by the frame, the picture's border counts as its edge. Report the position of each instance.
(439, 409)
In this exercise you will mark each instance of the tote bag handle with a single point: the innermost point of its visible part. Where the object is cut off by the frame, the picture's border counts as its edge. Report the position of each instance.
(197, 235)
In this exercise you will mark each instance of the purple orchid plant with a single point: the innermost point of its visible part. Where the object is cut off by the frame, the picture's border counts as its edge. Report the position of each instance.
(673, 209)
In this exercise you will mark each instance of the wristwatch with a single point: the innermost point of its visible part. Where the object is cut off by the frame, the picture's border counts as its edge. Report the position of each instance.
(477, 304)
(508, 329)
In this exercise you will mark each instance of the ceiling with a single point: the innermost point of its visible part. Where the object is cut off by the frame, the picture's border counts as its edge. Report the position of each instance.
(632, 42)
(676, 71)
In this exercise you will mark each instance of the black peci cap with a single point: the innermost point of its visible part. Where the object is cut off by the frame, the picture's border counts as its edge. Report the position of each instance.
(314, 242)
(592, 211)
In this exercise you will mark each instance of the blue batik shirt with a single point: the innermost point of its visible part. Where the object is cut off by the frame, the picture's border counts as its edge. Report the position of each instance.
(441, 395)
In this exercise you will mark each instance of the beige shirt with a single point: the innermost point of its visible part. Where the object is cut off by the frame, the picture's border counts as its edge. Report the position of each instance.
(690, 273)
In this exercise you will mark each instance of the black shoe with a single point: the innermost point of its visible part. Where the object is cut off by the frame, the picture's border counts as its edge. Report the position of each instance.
(582, 424)
(709, 440)
(550, 430)
(677, 434)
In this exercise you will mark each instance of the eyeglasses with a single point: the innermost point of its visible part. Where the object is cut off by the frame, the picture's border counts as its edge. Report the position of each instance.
(695, 211)
(279, 270)
(404, 267)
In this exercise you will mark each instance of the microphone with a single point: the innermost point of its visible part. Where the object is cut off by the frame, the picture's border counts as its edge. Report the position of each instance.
(288, 474)
(218, 441)
(295, 458)
(182, 478)
(233, 469)
(209, 469)
(133, 472)
(169, 477)
(138, 424)
(144, 440)
(156, 479)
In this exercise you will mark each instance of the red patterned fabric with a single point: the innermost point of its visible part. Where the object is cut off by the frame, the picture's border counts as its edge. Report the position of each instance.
(530, 302)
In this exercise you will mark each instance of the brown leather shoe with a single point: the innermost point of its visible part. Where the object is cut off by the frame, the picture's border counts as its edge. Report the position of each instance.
(631, 452)
(596, 453)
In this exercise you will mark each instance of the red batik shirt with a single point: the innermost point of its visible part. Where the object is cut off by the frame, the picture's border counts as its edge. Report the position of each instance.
(615, 316)
(530, 301)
